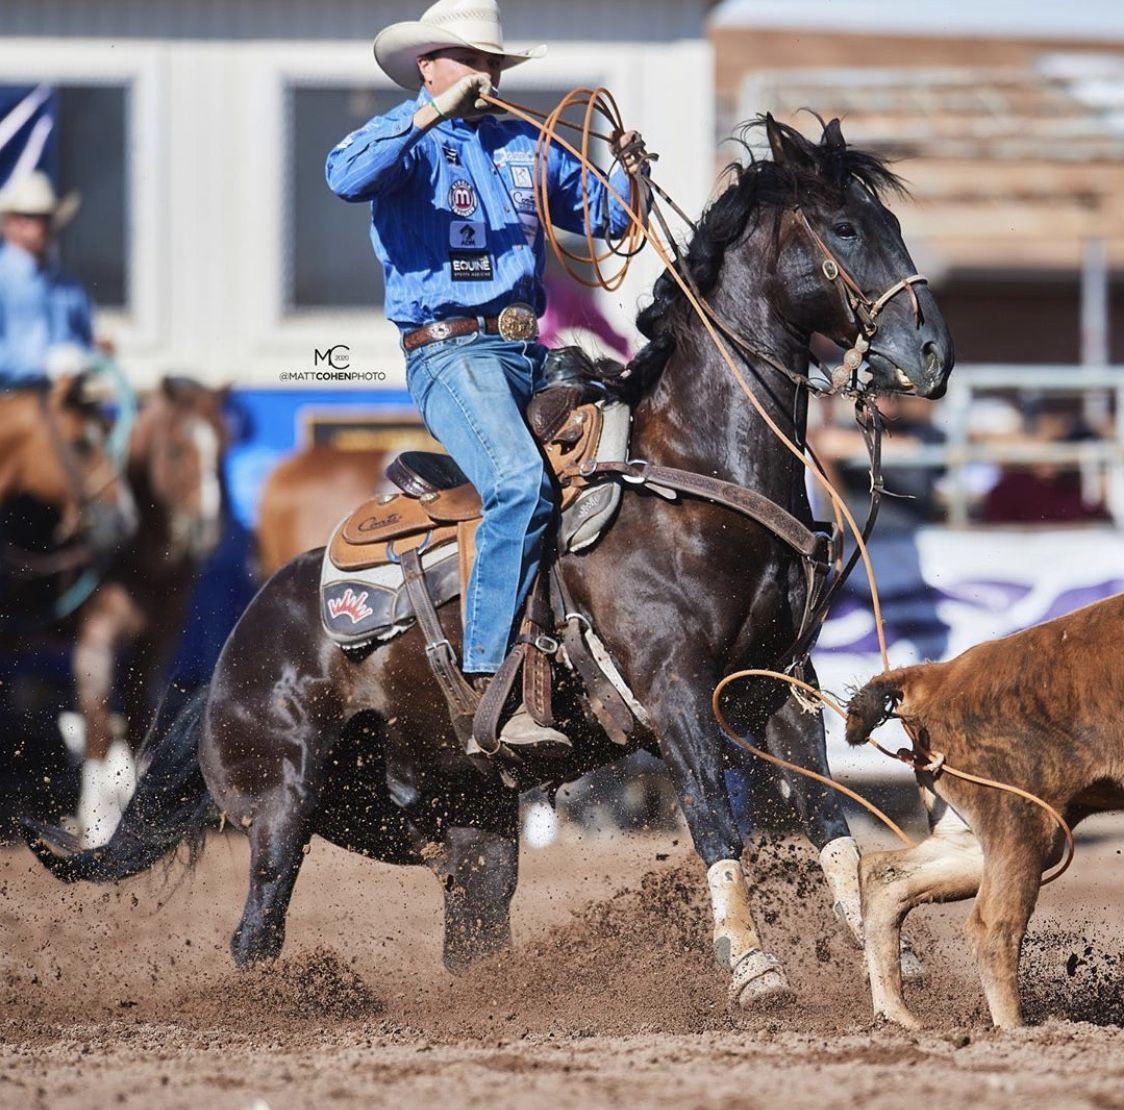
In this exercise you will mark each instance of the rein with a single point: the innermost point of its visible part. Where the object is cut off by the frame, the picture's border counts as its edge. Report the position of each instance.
(864, 312)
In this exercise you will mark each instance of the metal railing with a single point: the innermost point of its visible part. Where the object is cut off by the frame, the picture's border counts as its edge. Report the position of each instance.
(1101, 389)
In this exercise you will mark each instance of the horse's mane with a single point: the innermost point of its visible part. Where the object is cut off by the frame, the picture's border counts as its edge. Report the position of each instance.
(820, 173)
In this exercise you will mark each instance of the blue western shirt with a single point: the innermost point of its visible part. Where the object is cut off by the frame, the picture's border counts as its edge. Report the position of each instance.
(40, 308)
(453, 210)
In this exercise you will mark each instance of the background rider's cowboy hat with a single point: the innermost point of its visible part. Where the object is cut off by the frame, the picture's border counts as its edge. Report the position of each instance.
(474, 24)
(34, 195)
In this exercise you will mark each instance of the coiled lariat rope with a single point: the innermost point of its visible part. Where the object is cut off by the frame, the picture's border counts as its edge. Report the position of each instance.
(599, 101)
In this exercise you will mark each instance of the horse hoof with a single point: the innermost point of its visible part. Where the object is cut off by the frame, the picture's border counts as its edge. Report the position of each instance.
(759, 982)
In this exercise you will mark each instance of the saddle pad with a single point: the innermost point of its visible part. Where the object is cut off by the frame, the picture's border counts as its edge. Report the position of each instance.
(358, 607)
(585, 519)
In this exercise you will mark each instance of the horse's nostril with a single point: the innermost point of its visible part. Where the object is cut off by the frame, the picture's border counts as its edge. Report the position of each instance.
(932, 356)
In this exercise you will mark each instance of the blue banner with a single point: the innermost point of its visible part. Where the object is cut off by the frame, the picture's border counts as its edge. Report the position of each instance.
(27, 131)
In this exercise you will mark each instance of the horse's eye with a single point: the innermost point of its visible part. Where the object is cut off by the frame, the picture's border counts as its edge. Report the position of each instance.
(845, 230)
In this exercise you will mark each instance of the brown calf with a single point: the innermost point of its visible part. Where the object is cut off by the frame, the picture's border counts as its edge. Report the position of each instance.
(1042, 709)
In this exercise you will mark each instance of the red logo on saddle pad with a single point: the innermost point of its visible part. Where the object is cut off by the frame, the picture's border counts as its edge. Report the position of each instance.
(351, 605)
(462, 197)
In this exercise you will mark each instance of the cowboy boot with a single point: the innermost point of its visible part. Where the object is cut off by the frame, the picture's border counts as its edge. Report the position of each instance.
(523, 734)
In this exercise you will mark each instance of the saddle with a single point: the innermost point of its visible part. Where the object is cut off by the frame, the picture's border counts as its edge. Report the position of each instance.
(438, 503)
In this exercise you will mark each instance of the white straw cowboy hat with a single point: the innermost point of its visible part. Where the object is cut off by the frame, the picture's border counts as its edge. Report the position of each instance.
(34, 195)
(474, 24)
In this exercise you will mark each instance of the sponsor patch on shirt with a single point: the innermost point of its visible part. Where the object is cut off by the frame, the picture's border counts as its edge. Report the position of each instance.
(523, 201)
(452, 155)
(462, 197)
(471, 265)
(467, 235)
(521, 177)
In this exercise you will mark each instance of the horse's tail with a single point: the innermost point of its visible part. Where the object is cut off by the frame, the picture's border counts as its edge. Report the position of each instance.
(171, 806)
(875, 703)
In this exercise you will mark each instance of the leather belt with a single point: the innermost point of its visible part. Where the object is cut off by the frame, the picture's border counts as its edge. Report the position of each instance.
(515, 322)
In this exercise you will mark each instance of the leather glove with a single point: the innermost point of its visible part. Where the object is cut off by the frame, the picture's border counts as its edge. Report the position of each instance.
(628, 146)
(460, 101)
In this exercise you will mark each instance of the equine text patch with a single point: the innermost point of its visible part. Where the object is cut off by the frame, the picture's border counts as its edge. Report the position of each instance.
(521, 177)
(462, 197)
(471, 265)
(467, 236)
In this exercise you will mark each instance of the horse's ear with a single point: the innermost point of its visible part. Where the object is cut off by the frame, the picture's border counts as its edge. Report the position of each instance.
(833, 135)
(835, 164)
(776, 139)
(61, 392)
(77, 391)
(786, 146)
(179, 387)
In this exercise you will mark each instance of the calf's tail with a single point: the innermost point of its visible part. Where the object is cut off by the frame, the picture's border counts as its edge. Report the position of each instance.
(171, 806)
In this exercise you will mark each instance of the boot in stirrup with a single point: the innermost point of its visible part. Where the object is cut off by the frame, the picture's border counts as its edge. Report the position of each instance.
(523, 734)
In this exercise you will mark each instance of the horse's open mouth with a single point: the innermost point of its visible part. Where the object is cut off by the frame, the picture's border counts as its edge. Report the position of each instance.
(888, 376)
(902, 381)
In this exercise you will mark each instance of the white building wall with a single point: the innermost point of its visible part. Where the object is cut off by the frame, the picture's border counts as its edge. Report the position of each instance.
(207, 176)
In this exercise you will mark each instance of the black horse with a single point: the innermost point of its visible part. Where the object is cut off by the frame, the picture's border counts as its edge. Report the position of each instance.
(294, 738)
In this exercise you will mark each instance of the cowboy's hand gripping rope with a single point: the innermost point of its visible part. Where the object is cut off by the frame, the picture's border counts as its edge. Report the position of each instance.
(600, 102)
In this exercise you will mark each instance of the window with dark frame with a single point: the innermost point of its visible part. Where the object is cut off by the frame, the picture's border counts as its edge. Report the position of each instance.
(93, 159)
(76, 133)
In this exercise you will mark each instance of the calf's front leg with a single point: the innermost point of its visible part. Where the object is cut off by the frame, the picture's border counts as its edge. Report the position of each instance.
(1012, 877)
(944, 868)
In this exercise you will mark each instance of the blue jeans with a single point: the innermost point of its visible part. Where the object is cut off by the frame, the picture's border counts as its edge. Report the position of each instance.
(472, 391)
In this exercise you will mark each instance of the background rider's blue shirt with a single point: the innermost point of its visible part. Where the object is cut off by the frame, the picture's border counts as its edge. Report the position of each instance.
(453, 210)
(40, 308)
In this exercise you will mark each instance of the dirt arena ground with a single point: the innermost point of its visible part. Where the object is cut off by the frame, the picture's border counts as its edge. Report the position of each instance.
(127, 997)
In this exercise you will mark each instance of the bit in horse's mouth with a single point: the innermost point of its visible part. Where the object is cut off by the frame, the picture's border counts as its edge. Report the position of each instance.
(903, 380)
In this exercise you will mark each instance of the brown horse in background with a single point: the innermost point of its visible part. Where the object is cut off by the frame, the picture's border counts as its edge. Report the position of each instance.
(175, 471)
(66, 505)
(64, 510)
(308, 494)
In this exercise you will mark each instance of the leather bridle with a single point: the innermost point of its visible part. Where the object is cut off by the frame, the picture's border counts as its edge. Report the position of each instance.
(863, 310)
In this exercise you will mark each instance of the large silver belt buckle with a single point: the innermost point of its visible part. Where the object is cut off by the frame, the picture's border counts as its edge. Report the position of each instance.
(439, 330)
(517, 322)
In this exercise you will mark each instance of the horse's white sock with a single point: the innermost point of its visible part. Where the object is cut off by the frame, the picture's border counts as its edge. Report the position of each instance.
(98, 808)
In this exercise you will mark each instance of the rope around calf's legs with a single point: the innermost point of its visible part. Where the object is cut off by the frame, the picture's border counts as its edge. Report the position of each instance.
(920, 759)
